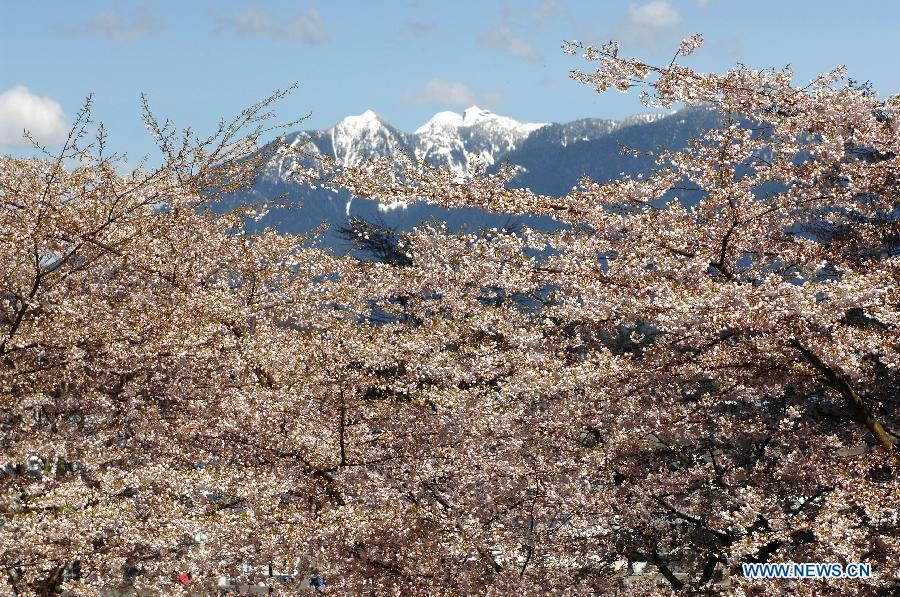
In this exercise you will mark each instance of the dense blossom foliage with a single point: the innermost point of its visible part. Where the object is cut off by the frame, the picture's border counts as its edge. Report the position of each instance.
(700, 369)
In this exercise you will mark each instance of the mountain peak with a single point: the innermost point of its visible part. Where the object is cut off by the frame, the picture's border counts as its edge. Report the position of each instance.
(364, 120)
(474, 114)
(356, 139)
(441, 120)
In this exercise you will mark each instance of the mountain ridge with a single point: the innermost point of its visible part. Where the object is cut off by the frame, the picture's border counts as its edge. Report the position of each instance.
(552, 158)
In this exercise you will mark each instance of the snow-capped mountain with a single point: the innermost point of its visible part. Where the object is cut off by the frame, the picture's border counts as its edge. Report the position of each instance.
(457, 141)
(357, 139)
(448, 139)
(553, 158)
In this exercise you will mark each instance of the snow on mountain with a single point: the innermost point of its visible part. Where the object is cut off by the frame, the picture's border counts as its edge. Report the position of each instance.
(475, 115)
(458, 140)
(441, 120)
(298, 152)
(356, 139)
(448, 139)
(640, 119)
(439, 141)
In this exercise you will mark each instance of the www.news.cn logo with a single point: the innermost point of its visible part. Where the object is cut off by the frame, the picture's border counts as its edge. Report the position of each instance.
(807, 570)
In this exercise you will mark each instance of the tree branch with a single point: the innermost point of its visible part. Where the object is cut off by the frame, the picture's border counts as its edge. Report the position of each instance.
(836, 380)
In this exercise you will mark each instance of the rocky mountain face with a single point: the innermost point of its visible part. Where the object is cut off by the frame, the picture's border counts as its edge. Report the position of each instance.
(553, 157)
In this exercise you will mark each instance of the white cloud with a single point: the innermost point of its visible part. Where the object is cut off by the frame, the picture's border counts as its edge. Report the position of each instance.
(438, 91)
(702, 3)
(647, 23)
(452, 93)
(112, 25)
(21, 110)
(504, 39)
(657, 14)
(305, 26)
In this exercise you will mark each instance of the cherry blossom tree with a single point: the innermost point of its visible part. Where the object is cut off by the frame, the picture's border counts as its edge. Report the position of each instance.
(700, 369)
(706, 372)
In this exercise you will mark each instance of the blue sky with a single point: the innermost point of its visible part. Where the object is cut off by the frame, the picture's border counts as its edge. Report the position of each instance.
(199, 60)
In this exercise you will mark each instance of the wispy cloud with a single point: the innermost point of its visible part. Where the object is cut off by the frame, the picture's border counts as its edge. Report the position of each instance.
(439, 92)
(702, 3)
(118, 28)
(417, 27)
(305, 26)
(547, 9)
(647, 24)
(22, 110)
(504, 39)
(491, 98)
